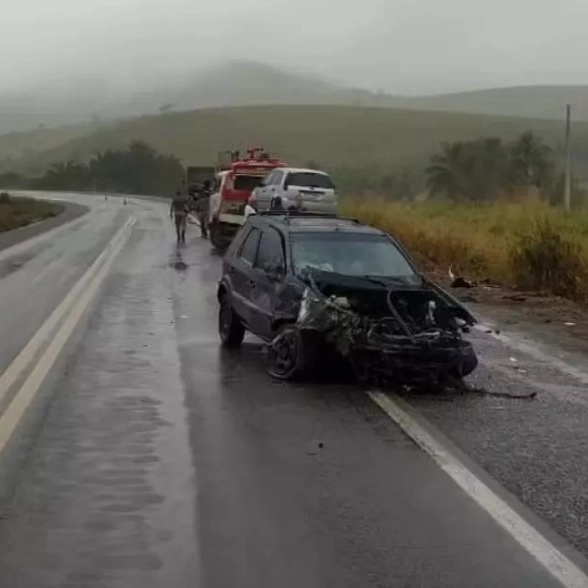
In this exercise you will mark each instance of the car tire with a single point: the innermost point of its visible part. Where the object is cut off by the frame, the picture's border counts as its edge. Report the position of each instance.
(290, 355)
(468, 361)
(230, 328)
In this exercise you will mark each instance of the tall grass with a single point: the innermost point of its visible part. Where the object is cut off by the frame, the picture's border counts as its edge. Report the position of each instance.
(525, 244)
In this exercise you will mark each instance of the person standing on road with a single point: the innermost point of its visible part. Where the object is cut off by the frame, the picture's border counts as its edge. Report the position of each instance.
(202, 206)
(179, 209)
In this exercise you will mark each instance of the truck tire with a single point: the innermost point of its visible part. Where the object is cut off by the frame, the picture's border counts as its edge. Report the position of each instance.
(217, 239)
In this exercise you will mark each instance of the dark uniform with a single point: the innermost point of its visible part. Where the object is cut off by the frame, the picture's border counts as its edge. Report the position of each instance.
(201, 204)
(179, 210)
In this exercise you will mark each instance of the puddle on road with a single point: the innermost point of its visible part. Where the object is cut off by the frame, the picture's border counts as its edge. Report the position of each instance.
(176, 261)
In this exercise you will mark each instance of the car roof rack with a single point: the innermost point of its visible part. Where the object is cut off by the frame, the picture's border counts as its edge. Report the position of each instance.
(288, 214)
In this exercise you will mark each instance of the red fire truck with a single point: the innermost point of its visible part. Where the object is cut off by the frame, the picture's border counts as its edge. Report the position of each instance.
(234, 181)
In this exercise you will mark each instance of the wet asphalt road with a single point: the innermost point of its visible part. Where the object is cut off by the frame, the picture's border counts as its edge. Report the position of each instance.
(159, 460)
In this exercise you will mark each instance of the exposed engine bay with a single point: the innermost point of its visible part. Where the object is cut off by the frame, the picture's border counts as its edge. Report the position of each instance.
(388, 327)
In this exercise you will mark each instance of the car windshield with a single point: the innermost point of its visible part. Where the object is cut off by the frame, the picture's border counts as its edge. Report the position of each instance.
(350, 254)
(309, 180)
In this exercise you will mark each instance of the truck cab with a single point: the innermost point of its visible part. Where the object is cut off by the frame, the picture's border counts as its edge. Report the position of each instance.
(234, 183)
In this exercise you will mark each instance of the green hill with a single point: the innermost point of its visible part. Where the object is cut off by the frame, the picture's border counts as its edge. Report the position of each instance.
(525, 101)
(334, 136)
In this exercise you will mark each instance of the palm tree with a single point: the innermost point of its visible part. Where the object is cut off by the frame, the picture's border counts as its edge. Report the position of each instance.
(444, 174)
(530, 161)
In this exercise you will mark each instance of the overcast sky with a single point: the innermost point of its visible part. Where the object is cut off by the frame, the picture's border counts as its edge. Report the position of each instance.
(402, 46)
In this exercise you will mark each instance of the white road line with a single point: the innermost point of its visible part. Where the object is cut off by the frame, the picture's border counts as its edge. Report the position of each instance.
(32, 348)
(553, 560)
(534, 352)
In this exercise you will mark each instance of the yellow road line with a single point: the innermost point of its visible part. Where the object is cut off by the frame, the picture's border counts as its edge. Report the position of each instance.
(72, 307)
(28, 353)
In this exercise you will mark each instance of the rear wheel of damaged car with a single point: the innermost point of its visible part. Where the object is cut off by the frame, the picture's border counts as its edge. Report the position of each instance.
(230, 327)
(291, 354)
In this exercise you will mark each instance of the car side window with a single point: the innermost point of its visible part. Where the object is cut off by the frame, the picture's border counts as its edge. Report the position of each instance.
(267, 180)
(270, 254)
(249, 248)
(277, 179)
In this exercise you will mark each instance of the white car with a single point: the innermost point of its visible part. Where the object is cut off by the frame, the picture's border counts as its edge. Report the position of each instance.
(291, 184)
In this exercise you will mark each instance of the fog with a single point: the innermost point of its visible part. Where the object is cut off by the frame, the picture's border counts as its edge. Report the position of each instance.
(401, 46)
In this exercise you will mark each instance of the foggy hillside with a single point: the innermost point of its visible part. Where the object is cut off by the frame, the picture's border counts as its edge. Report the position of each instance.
(234, 84)
(248, 83)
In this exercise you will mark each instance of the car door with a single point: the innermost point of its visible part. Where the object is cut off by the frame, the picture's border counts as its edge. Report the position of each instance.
(267, 275)
(240, 276)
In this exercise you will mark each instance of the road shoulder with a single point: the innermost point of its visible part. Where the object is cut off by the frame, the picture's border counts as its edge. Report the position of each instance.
(70, 212)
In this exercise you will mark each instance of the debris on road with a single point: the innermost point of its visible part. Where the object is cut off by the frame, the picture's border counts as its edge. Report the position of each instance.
(459, 281)
(515, 297)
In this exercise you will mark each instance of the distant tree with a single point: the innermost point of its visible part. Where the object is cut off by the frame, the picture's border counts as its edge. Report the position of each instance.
(479, 170)
(531, 162)
(139, 169)
(444, 174)
(13, 180)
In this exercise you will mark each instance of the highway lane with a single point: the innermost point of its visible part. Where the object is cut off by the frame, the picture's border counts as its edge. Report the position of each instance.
(38, 273)
(162, 460)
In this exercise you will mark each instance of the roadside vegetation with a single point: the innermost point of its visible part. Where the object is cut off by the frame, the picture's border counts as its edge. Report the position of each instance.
(493, 212)
(19, 212)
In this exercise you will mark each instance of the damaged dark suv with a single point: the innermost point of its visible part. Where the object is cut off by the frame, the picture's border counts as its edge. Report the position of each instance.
(311, 284)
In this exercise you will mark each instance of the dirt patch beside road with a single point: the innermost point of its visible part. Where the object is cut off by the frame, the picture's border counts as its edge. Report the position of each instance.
(543, 317)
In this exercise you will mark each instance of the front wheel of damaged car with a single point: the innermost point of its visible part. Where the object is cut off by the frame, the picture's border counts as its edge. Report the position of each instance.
(468, 361)
(289, 355)
(230, 328)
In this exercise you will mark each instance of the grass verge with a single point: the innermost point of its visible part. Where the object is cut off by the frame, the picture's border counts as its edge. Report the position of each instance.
(19, 212)
(527, 245)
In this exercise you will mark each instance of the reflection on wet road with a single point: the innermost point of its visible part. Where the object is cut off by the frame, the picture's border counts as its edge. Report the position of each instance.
(158, 459)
